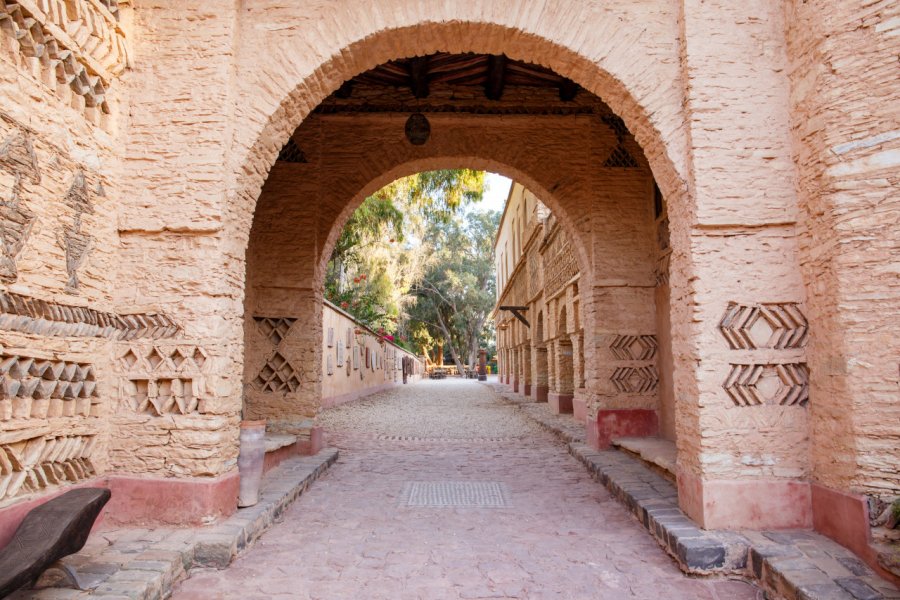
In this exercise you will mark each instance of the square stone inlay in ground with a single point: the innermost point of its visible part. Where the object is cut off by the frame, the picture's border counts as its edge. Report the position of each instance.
(446, 494)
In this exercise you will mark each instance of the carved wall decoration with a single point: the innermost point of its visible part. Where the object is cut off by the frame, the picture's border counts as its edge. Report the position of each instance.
(329, 365)
(636, 380)
(74, 43)
(75, 242)
(766, 326)
(163, 380)
(559, 264)
(780, 326)
(43, 317)
(349, 336)
(275, 328)
(17, 157)
(355, 357)
(783, 384)
(35, 464)
(619, 157)
(662, 269)
(633, 347)
(40, 388)
(340, 355)
(278, 375)
(330, 338)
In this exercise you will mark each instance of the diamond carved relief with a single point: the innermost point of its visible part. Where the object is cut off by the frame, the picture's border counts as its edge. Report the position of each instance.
(775, 326)
(274, 328)
(635, 380)
(774, 384)
(633, 347)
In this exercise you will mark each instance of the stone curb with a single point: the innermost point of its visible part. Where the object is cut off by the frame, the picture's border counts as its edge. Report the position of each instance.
(153, 573)
(790, 565)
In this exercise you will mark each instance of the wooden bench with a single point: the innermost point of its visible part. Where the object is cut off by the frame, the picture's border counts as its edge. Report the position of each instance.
(51, 531)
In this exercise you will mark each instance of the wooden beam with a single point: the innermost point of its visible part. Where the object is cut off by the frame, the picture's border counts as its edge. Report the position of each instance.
(345, 91)
(515, 310)
(567, 90)
(418, 76)
(496, 76)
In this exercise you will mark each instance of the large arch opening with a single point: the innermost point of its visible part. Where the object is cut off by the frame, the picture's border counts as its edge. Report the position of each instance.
(601, 256)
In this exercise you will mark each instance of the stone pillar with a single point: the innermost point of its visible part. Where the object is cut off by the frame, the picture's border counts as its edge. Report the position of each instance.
(739, 330)
(563, 391)
(527, 377)
(579, 399)
(541, 387)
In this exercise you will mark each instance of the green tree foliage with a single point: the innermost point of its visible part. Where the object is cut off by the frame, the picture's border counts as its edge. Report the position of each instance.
(413, 263)
(456, 293)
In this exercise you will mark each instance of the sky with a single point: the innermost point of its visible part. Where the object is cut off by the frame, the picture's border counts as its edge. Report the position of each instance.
(496, 189)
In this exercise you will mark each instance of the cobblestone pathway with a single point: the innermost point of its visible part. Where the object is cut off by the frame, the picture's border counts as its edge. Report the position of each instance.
(442, 492)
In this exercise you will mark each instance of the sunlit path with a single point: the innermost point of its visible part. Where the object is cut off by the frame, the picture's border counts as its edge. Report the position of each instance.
(549, 531)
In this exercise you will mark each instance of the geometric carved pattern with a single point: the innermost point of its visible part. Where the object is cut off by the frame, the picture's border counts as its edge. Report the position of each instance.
(75, 242)
(163, 380)
(45, 317)
(635, 380)
(38, 463)
(620, 158)
(38, 388)
(633, 347)
(776, 326)
(782, 384)
(73, 43)
(277, 375)
(662, 269)
(274, 328)
(560, 264)
(16, 220)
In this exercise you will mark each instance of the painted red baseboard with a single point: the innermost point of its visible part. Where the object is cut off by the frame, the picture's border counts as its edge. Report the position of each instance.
(540, 393)
(611, 424)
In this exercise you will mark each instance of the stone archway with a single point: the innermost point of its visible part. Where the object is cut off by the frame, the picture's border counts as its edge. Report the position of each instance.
(664, 90)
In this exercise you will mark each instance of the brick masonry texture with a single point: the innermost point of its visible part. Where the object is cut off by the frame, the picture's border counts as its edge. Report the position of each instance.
(768, 128)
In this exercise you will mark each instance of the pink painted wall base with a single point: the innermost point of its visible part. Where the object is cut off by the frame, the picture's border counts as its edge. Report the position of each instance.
(745, 504)
(611, 424)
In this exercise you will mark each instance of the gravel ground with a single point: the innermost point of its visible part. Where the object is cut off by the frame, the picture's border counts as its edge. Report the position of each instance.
(446, 409)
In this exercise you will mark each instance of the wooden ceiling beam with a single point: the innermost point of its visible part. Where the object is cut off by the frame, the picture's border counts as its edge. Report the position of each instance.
(567, 90)
(418, 76)
(496, 76)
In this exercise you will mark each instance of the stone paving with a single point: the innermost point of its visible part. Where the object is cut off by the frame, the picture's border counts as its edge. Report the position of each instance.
(501, 510)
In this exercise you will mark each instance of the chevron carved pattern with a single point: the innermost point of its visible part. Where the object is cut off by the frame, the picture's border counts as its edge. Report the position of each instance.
(774, 384)
(779, 326)
(636, 380)
(633, 347)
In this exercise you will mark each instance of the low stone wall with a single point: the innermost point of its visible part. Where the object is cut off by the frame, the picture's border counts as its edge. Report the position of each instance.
(356, 362)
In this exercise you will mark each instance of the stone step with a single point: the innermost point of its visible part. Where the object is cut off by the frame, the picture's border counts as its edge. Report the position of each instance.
(657, 453)
(143, 564)
(788, 565)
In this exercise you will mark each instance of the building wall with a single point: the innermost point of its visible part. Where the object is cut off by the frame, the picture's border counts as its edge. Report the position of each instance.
(347, 374)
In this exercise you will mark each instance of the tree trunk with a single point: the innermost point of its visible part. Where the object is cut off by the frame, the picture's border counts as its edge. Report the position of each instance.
(453, 353)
